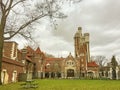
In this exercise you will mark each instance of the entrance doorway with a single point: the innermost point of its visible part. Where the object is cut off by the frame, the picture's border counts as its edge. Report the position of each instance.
(4, 76)
(90, 75)
(70, 73)
(14, 78)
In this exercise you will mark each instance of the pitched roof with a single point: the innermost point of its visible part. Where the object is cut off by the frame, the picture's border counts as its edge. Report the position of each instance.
(38, 51)
(92, 64)
(30, 49)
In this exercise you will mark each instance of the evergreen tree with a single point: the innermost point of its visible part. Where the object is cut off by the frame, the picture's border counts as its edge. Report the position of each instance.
(114, 64)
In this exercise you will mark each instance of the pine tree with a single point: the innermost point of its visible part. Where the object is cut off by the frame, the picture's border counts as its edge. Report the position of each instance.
(114, 64)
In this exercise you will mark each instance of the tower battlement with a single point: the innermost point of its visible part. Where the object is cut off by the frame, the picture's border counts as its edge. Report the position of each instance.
(86, 35)
(81, 42)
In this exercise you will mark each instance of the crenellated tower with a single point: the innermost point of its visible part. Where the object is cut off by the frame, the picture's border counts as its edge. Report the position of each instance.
(81, 42)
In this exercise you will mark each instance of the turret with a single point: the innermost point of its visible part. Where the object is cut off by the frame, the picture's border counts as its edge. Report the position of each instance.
(80, 30)
(86, 35)
(77, 40)
(78, 34)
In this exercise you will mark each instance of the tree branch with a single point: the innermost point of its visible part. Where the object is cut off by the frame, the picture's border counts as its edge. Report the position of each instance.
(2, 6)
(25, 25)
(17, 3)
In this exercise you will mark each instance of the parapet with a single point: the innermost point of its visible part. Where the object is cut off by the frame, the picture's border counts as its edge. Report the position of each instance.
(86, 34)
(79, 28)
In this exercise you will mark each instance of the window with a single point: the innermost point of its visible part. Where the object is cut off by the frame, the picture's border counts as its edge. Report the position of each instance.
(67, 63)
(82, 65)
(70, 63)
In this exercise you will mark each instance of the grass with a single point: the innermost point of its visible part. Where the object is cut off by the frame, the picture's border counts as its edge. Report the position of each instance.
(65, 84)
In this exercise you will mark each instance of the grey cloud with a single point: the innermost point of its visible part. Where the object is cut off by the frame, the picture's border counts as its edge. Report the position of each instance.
(101, 18)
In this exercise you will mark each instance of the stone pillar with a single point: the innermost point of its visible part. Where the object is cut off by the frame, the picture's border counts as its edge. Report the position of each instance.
(43, 74)
(77, 75)
(93, 74)
(88, 52)
(65, 75)
(39, 74)
(62, 74)
(49, 74)
(110, 73)
(55, 74)
(117, 69)
(104, 72)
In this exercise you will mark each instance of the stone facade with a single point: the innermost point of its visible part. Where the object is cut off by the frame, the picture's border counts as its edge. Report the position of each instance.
(28, 63)
(82, 54)
(109, 73)
(81, 44)
(17, 64)
(70, 67)
(11, 65)
(74, 67)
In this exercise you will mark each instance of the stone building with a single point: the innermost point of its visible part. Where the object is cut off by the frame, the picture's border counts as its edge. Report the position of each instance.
(81, 45)
(11, 64)
(28, 63)
(33, 61)
(19, 65)
(82, 54)
(39, 59)
(52, 67)
(74, 67)
(111, 71)
(70, 67)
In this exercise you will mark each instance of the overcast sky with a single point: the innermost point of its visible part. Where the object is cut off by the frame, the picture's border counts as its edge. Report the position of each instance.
(100, 18)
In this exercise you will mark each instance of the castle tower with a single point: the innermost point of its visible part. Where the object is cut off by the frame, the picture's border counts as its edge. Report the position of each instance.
(77, 36)
(81, 42)
(86, 35)
(82, 52)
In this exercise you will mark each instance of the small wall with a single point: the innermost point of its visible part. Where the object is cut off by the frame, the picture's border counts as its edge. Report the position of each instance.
(22, 77)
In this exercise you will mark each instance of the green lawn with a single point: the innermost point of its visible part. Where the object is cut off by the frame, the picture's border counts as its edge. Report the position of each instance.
(64, 84)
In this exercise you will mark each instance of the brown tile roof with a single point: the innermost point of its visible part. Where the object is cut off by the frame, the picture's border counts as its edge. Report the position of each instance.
(14, 62)
(92, 64)
(53, 59)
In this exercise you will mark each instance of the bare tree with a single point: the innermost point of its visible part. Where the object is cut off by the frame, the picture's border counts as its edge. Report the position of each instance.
(100, 60)
(18, 16)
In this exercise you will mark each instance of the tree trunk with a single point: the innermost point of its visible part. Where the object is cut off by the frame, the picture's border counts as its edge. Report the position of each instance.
(2, 27)
(1, 49)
